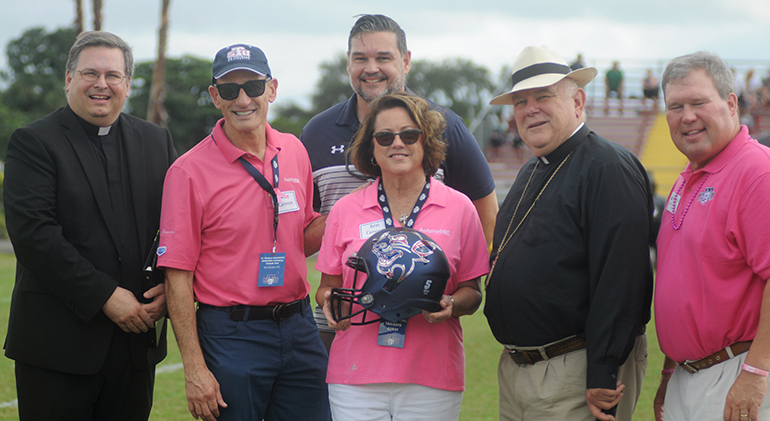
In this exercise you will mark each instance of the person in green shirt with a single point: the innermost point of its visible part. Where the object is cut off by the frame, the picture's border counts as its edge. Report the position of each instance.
(613, 82)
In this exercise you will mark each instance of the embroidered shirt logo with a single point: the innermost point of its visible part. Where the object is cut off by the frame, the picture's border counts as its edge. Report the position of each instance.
(706, 195)
(238, 53)
(340, 149)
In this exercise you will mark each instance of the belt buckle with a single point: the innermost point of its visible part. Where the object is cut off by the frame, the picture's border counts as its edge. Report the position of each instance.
(690, 369)
(279, 312)
(520, 354)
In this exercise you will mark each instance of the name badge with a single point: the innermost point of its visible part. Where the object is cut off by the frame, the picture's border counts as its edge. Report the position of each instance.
(392, 334)
(673, 203)
(288, 203)
(271, 269)
(369, 229)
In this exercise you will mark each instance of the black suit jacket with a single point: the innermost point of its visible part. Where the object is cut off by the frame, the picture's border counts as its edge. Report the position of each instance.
(60, 221)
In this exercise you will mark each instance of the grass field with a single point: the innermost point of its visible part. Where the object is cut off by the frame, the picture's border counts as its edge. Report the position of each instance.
(482, 352)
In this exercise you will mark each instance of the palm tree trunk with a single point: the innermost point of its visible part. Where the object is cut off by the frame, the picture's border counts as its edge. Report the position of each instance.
(97, 15)
(78, 17)
(156, 111)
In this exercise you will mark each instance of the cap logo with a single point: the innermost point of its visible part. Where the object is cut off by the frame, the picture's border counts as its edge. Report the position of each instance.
(239, 53)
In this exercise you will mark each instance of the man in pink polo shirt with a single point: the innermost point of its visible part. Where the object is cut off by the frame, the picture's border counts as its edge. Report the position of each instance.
(711, 297)
(236, 222)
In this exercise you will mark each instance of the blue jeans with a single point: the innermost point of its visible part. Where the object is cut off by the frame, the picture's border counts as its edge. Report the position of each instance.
(266, 369)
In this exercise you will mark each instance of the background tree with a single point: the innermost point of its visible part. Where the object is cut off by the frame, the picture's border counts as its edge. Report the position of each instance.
(289, 117)
(37, 65)
(78, 17)
(10, 120)
(331, 88)
(191, 112)
(333, 85)
(157, 113)
(455, 83)
(458, 84)
(97, 15)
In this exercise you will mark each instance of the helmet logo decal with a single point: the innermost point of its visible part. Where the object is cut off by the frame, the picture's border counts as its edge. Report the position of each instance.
(406, 273)
(396, 246)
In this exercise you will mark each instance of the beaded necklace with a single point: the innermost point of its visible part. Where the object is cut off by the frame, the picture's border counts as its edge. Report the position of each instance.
(506, 238)
(684, 212)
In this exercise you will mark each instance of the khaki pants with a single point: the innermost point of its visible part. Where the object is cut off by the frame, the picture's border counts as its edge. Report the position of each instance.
(631, 374)
(556, 389)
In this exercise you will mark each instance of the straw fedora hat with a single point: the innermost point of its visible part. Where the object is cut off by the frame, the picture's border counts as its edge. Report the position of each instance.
(539, 67)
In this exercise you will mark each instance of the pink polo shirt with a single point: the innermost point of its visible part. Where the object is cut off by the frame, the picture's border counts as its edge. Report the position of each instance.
(216, 220)
(433, 355)
(712, 271)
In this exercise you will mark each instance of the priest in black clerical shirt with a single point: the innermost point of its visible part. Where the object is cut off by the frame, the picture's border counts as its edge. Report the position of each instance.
(571, 282)
(82, 199)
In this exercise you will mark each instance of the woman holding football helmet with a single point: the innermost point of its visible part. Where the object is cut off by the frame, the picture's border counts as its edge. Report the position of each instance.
(401, 261)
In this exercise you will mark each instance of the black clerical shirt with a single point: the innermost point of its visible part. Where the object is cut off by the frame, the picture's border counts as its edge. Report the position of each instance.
(579, 263)
(110, 153)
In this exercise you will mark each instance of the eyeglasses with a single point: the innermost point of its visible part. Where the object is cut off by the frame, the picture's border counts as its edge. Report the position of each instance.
(253, 88)
(408, 136)
(90, 75)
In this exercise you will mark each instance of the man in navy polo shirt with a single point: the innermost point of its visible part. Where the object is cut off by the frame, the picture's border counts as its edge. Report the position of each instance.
(378, 62)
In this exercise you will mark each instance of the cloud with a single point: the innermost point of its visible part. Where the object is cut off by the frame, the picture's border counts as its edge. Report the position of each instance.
(298, 35)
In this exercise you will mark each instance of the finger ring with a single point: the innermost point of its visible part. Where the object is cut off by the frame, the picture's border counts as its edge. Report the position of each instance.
(744, 415)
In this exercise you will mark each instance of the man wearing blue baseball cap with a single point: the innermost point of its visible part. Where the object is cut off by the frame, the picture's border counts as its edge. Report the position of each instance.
(571, 282)
(236, 223)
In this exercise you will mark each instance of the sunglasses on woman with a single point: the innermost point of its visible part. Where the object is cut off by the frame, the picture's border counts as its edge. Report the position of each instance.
(408, 136)
(230, 91)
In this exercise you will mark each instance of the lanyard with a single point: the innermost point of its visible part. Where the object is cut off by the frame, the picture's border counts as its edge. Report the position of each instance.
(262, 181)
(382, 198)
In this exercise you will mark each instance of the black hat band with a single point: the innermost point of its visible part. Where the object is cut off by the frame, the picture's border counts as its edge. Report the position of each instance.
(539, 69)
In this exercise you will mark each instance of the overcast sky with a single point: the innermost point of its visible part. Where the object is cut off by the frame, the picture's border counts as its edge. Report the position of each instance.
(297, 35)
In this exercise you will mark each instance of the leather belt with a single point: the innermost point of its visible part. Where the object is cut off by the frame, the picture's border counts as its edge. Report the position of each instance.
(532, 355)
(278, 312)
(717, 357)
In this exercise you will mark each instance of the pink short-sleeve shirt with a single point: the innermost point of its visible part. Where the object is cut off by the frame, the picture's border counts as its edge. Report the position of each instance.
(712, 270)
(216, 221)
(433, 355)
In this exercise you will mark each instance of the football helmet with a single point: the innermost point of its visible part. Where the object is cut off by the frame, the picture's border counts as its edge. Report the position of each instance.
(406, 272)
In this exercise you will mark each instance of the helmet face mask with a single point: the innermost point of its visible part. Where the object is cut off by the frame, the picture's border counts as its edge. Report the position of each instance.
(406, 273)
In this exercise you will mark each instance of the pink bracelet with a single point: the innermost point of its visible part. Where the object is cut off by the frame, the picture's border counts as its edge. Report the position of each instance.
(753, 370)
(667, 371)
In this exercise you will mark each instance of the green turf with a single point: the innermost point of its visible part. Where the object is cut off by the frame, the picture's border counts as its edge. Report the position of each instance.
(481, 349)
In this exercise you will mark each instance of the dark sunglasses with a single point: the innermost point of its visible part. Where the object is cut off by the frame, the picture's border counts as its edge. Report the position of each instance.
(409, 137)
(253, 88)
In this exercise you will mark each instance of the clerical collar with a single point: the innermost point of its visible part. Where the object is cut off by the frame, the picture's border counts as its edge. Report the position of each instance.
(568, 146)
(94, 130)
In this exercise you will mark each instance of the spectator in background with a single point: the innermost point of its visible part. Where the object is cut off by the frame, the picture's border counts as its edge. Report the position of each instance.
(753, 89)
(659, 203)
(516, 141)
(578, 63)
(613, 82)
(497, 133)
(651, 89)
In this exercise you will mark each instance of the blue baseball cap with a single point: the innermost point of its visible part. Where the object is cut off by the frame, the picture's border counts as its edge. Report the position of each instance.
(240, 57)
